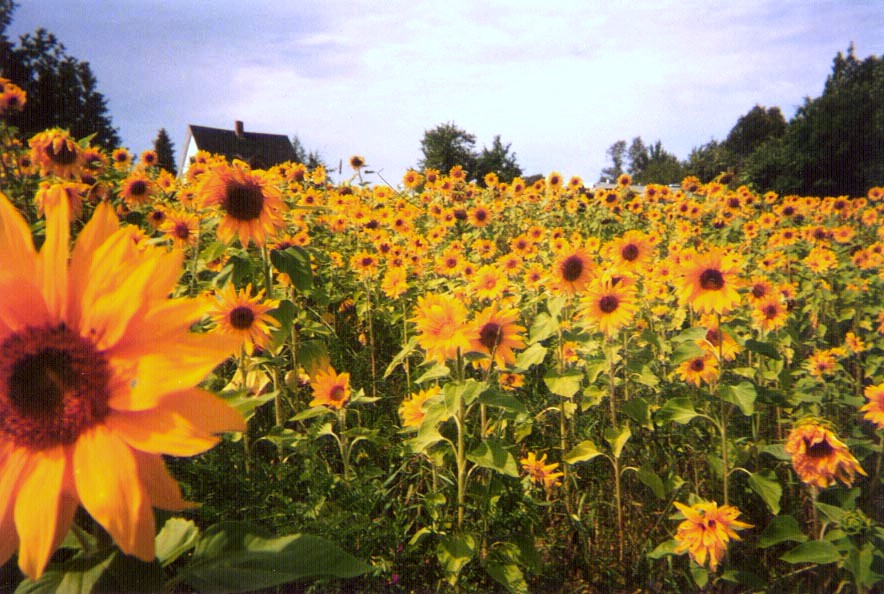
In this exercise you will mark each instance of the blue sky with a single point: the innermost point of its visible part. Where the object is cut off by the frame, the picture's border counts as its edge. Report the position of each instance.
(560, 81)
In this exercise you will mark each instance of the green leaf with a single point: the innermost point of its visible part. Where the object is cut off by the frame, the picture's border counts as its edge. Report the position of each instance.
(685, 352)
(239, 557)
(564, 384)
(617, 438)
(295, 262)
(743, 395)
(245, 402)
(763, 348)
(507, 574)
(832, 512)
(650, 479)
(312, 412)
(437, 371)
(781, 529)
(583, 452)
(664, 549)
(454, 552)
(533, 355)
(677, 410)
(426, 436)
(814, 551)
(285, 315)
(767, 486)
(78, 575)
(492, 454)
(639, 411)
(543, 327)
(647, 377)
(175, 538)
(504, 401)
(401, 356)
(467, 390)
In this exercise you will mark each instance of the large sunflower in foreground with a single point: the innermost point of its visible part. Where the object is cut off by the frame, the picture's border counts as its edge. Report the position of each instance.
(251, 205)
(709, 282)
(497, 333)
(97, 381)
(572, 271)
(609, 304)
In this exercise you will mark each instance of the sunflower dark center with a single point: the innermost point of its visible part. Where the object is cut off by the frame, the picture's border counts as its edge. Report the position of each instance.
(819, 450)
(759, 291)
(460, 214)
(242, 317)
(244, 201)
(771, 311)
(138, 188)
(572, 268)
(489, 335)
(608, 303)
(63, 156)
(711, 279)
(337, 394)
(629, 252)
(182, 231)
(481, 215)
(53, 386)
(712, 336)
(697, 365)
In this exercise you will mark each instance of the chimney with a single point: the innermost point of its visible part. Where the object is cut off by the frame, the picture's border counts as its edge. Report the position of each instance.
(237, 128)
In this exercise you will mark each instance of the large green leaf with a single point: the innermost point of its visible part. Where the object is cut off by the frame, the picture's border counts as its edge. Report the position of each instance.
(781, 529)
(763, 348)
(106, 570)
(767, 486)
(533, 355)
(743, 395)
(677, 410)
(543, 327)
(508, 574)
(175, 538)
(565, 383)
(454, 551)
(295, 262)
(814, 551)
(652, 480)
(240, 557)
(583, 452)
(503, 401)
(617, 438)
(491, 454)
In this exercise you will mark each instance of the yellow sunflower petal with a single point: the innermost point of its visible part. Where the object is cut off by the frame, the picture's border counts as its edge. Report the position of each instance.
(52, 262)
(159, 373)
(182, 424)
(108, 484)
(17, 254)
(159, 329)
(13, 462)
(37, 511)
(162, 489)
(100, 227)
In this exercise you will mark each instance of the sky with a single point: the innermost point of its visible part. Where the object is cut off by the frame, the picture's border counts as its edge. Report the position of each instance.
(560, 81)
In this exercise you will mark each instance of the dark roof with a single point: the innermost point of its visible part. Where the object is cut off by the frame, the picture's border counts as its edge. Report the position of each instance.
(259, 150)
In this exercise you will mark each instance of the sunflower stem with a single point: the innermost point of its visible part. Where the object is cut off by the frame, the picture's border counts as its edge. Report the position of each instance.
(725, 412)
(194, 263)
(461, 447)
(268, 277)
(371, 353)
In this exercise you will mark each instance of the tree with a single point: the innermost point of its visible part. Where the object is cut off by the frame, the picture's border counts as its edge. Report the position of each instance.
(616, 152)
(445, 146)
(753, 129)
(662, 167)
(162, 144)
(312, 159)
(638, 157)
(499, 160)
(61, 89)
(707, 161)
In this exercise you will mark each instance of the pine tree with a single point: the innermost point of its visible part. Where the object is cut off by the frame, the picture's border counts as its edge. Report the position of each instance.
(165, 152)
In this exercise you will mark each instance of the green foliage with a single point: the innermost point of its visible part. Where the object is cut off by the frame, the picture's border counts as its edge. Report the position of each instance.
(165, 150)
(445, 146)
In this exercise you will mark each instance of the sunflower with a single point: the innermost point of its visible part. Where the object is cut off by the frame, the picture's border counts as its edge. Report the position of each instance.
(239, 314)
(609, 304)
(148, 158)
(769, 314)
(412, 412)
(821, 363)
(509, 381)
(699, 370)
(479, 216)
(540, 472)
(706, 530)
(819, 457)
(709, 282)
(497, 333)
(252, 206)
(442, 326)
(489, 283)
(572, 271)
(12, 98)
(395, 282)
(874, 408)
(136, 189)
(357, 162)
(97, 381)
(182, 227)
(49, 195)
(56, 153)
(330, 388)
(121, 158)
(631, 251)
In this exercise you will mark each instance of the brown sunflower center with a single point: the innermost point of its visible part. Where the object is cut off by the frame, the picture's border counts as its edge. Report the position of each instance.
(242, 317)
(53, 386)
(182, 231)
(138, 188)
(629, 252)
(759, 290)
(697, 365)
(490, 335)
(711, 279)
(337, 394)
(244, 201)
(572, 268)
(819, 450)
(771, 311)
(62, 156)
(608, 303)
(480, 215)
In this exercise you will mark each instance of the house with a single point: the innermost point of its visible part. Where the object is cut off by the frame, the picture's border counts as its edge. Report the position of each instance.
(259, 150)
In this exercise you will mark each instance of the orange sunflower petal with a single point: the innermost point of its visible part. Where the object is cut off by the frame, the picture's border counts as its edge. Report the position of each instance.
(38, 511)
(13, 461)
(110, 489)
(52, 262)
(100, 227)
(182, 424)
(17, 254)
(163, 490)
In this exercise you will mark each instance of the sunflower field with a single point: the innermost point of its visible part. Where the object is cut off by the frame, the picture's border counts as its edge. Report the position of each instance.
(241, 380)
